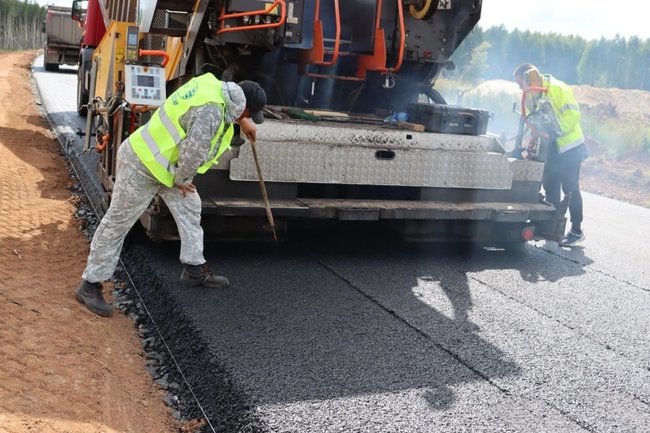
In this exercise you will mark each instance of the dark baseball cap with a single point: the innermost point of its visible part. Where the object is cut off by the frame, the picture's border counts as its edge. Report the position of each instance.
(255, 99)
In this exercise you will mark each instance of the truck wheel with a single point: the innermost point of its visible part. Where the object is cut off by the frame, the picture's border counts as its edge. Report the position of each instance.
(51, 67)
(82, 92)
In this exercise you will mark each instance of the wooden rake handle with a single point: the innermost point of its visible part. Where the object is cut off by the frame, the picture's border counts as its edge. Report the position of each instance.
(265, 197)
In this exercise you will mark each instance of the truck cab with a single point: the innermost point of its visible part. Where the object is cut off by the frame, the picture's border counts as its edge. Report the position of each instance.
(62, 38)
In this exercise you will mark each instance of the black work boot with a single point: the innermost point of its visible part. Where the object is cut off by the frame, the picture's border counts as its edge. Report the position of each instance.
(200, 275)
(90, 294)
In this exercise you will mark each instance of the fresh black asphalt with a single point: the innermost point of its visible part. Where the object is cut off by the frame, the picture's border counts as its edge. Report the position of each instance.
(364, 335)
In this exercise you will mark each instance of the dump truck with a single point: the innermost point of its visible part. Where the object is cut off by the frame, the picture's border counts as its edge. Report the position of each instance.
(356, 136)
(62, 38)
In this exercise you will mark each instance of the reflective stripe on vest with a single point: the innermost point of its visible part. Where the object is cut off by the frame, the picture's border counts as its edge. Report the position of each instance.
(156, 142)
(567, 114)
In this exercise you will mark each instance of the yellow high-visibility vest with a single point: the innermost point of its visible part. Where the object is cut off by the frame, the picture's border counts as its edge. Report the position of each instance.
(156, 142)
(567, 113)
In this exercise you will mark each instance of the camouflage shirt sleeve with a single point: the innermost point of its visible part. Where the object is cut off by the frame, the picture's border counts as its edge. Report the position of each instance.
(201, 124)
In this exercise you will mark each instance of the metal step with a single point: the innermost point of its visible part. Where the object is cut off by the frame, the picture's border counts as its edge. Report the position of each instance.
(374, 210)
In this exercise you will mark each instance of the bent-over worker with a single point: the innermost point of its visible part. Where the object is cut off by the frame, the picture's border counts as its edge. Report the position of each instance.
(560, 112)
(185, 136)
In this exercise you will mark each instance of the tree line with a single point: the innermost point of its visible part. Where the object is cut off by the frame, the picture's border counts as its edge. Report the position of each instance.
(495, 52)
(485, 54)
(20, 25)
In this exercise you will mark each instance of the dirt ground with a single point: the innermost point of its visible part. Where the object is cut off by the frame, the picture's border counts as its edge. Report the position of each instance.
(63, 369)
(626, 178)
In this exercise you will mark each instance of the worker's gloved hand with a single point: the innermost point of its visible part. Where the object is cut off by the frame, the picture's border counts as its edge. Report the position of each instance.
(248, 128)
(186, 188)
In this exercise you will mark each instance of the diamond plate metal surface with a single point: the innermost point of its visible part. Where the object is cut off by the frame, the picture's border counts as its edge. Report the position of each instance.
(369, 136)
(527, 170)
(371, 155)
(345, 164)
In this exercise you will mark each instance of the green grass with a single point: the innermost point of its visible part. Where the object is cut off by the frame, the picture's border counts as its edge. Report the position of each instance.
(619, 137)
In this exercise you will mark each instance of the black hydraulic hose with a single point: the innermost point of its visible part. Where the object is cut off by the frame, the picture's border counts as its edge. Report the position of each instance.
(432, 94)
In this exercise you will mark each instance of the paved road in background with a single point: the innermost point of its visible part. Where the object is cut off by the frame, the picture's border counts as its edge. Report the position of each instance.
(333, 336)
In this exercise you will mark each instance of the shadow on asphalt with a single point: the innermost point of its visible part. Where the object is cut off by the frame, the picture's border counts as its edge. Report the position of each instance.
(322, 318)
(315, 320)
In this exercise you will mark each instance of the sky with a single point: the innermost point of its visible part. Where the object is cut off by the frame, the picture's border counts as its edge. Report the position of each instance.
(590, 19)
(67, 3)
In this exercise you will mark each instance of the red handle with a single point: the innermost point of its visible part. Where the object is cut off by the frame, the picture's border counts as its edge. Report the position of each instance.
(525, 93)
(276, 3)
(156, 53)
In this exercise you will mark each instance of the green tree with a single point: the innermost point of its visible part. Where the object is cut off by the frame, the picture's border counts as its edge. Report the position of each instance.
(20, 25)
(616, 62)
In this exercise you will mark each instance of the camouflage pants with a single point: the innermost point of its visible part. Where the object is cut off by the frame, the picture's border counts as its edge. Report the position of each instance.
(133, 191)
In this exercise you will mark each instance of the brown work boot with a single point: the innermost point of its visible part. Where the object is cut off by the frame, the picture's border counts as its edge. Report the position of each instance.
(90, 294)
(200, 275)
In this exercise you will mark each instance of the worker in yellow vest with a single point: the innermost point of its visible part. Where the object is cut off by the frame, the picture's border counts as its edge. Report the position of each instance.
(557, 114)
(185, 136)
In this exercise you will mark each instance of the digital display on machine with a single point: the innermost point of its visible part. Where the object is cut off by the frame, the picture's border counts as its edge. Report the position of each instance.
(145, 81)
(145, 84)
(132, 39)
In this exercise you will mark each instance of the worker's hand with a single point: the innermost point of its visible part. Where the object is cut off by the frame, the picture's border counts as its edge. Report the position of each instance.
(186, 188)
(247, 126)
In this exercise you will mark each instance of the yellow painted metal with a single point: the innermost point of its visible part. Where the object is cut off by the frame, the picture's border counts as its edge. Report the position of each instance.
(422, 10)
(174, 47)
(109, 58)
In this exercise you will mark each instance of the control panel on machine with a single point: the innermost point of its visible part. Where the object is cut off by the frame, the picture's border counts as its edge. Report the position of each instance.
(145, 85)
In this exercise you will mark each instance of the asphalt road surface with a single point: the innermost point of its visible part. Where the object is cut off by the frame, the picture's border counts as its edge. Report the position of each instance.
(323, 335)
